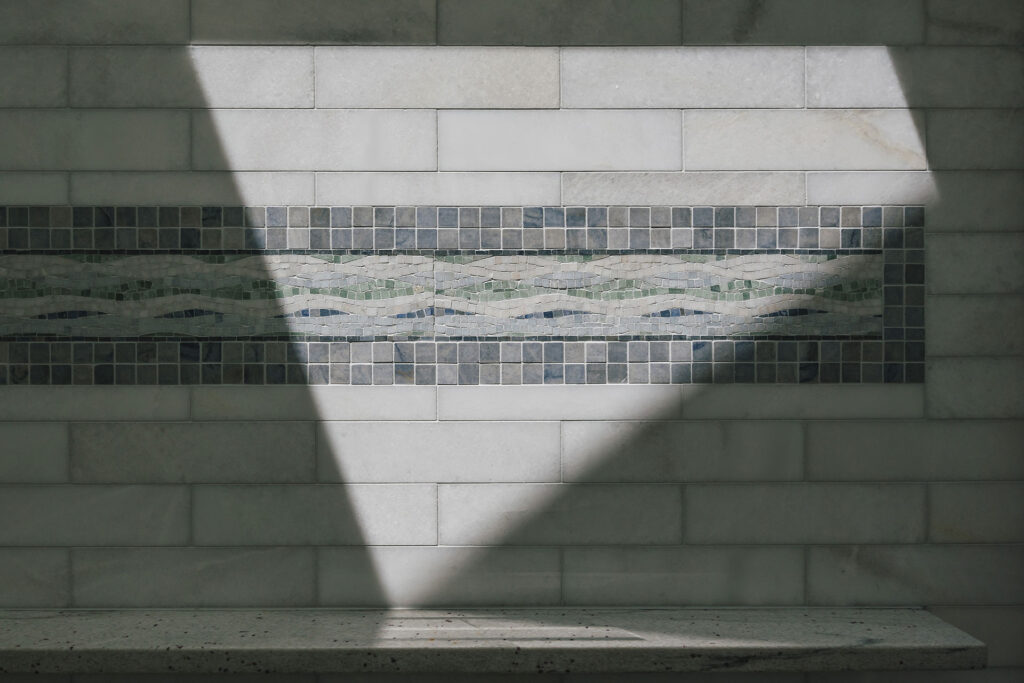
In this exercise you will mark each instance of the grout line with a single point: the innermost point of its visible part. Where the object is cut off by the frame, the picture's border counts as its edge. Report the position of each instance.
(682, 140)
(68, 471)
(928, 512)
(559, 77)
(316, 575)
(806, 552)
(805, 457)
(561, 575)
(191, 515)
(67, 77)
(71, 576)
(805, 76)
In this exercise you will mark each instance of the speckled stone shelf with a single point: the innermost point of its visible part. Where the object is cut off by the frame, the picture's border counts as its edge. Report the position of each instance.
(481, 641)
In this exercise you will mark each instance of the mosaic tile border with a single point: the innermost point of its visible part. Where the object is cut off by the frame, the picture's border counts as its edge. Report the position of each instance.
(475, 228)
(462, 362)
(895, 356)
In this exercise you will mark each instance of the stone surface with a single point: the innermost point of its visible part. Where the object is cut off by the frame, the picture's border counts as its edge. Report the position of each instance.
(64, 515)
(438, 452)
(351, 22)
(917, 450)
(438, 576)
(315, 140)
(33, 76)
(457, 77)
(926, 574)
(559, 514)
(975, 138)
(296, 514)
(204, 188)
(803, 139)
(692, 77)
(914, 77)
(687, 576)
(975, 325)
(803, 22)
(481, 641)
(681, 451)
(34, 188)
(782, 513)
(94, 21)
(558, 22)
(94, 403)
(192, 577)
(451, 189)
(209, 76)
(980, 22)
(61, 139)
(975, 387)
(563, 140)
(314, 403)
(33, 452)
(244, 452)
(714, 188)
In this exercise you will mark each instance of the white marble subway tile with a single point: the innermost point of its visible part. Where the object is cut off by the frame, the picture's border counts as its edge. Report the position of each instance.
(559, 514)
(93, 139)
(314, 139)
(192, 577)
(975, 387)
(55, 515)
(94, 403)
(451, 188)
(232, 452)
(34, 577)
(805, 513)
(976, 512)
(562, 140)
(33, 76)
(437, 77)
(192, 188)
(33, 452)
(381, 452)
(611, 451)
(915, 450)
(892, 575)
(105, 22)
(690, 576)
(915, 77)
(405, 576)
(207, 76)
(745, 140)
(683, 77)
(689, 188)
(296, 515)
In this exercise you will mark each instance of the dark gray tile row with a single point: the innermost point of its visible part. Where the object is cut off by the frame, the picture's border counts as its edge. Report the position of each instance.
(460, 362)
(41, 228)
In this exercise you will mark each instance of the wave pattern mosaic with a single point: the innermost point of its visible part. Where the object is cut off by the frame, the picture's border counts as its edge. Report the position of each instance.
(424, 295)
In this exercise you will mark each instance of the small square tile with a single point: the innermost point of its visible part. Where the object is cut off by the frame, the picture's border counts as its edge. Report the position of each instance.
(640, 217)
(511, 217)
(469, 217)
(681, 217)
(725, 217)
(362, 216)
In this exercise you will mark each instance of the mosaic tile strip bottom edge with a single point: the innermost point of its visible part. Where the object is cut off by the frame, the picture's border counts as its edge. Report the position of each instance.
(461, 362)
